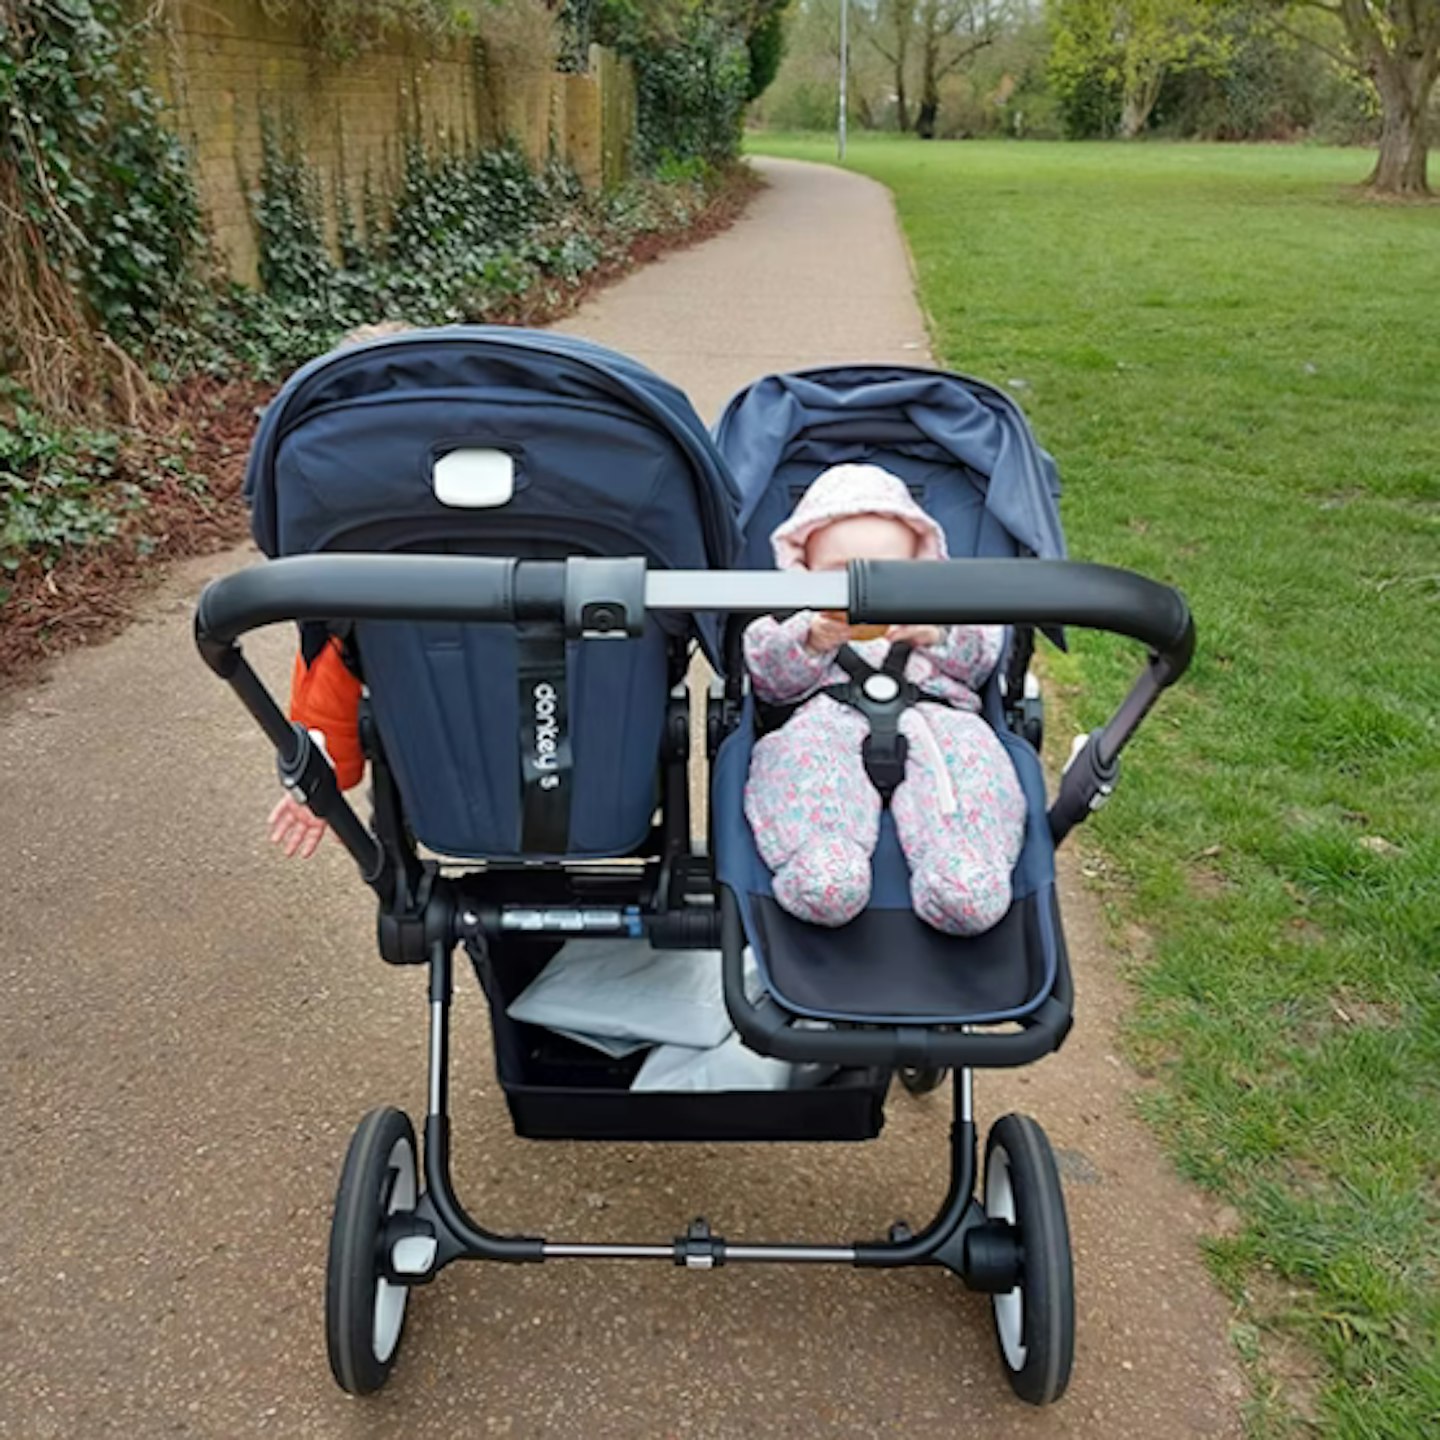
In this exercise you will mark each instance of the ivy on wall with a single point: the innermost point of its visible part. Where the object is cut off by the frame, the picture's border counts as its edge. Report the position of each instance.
(471, 234)
(108, 290)
(103, 240)
(575, 24)
(343, 29)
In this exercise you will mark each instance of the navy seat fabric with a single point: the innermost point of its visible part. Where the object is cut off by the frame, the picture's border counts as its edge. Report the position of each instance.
(834, 975)
(606, 458)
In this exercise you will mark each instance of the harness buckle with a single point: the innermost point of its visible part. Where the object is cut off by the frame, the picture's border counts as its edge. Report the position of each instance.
(881, 688)
(881, 694)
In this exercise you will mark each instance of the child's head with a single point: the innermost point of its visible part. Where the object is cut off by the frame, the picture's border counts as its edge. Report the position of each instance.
(860, 537)
(362, 334)
(856, 512)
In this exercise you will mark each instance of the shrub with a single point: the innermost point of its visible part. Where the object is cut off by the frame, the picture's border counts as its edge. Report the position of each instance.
(55, 483)
(692, 79)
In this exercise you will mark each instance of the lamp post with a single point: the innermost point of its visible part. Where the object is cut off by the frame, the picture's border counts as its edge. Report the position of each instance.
(844, 66)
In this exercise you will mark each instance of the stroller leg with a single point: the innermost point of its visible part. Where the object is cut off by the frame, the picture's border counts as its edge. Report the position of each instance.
(439, 1208)
(942, 1241)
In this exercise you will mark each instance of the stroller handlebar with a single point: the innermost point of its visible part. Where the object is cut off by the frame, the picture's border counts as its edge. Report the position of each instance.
(595, 597)
(609, 597)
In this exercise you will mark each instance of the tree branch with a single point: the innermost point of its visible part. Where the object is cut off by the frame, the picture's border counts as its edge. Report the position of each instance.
(961, 56)
(1364, 33)
(1339, 56)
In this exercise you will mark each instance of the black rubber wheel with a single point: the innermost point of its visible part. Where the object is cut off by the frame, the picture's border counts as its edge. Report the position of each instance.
(365, 1312)
(1034, 1322)
(922, 1079)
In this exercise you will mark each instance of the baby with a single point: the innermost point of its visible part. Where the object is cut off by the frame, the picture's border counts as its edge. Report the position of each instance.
(959, 811)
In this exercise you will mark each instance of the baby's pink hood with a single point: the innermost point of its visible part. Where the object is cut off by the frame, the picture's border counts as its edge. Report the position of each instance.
(844, 491)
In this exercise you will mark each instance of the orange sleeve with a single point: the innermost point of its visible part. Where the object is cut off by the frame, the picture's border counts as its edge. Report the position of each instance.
(325, 696)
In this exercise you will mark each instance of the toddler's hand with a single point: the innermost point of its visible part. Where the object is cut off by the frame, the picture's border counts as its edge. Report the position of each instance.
(296, 827)
(828, 631)
(917, 635)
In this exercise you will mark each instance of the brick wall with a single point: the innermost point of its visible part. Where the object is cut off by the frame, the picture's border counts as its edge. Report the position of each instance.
(224, 63)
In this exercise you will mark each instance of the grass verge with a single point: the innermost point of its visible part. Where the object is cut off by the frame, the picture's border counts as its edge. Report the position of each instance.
(1235, 360)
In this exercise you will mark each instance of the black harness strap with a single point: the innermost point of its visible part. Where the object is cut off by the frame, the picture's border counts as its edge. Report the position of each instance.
(546, 764)
(881, 694)
(898, 658)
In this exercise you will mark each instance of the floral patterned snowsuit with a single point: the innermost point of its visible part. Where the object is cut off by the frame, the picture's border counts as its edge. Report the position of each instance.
(959, 812)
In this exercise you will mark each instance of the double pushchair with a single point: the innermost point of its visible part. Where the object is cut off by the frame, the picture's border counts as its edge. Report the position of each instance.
(524, 540)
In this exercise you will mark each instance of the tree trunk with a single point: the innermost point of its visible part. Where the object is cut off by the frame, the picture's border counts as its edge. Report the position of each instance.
(929, 81)
(901, 19)
(1141, 93)
(1404, 86)
(1402, 59)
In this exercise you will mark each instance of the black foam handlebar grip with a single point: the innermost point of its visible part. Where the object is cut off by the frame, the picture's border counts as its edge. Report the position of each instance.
(1042, 593)
(376, 587)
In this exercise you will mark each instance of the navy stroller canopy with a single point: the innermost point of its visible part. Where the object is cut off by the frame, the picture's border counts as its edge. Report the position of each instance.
(486, 440)
(962, 446)
(606, 454)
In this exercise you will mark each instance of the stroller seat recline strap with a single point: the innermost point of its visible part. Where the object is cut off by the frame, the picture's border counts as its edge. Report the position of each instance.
(546, 759)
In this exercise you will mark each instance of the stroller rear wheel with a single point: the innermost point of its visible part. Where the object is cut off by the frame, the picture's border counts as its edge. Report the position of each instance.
(365, 1311)
(1035, 1321)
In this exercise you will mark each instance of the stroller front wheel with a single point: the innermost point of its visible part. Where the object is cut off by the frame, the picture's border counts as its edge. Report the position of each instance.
(1034, 1321)
(364, 1310)
(922, 1079)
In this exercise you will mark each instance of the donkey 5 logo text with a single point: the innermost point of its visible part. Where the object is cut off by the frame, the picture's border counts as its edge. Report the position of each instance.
(547, 734)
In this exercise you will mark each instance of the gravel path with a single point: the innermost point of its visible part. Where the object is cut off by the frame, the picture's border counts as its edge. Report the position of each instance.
(191, 1028)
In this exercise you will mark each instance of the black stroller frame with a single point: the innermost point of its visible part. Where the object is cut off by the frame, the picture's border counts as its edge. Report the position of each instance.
(425, 914)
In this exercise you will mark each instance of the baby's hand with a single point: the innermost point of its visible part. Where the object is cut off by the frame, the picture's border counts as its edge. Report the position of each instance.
(296, 827)
(827, 632)
(918, 636)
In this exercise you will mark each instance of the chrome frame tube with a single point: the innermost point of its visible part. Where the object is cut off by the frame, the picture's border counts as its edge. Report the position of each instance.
(730, 1254)
(461, 1238)
(436, 1093)
(791, 1254)
(742, 590)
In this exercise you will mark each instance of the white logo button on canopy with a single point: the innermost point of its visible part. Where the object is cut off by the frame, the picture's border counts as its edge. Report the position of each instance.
(474, 479)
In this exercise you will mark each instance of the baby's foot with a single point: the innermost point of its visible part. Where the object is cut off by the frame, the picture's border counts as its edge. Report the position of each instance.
(826, 883)
(960, 898)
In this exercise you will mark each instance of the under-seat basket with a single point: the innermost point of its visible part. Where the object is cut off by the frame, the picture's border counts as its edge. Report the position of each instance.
(558, 1089)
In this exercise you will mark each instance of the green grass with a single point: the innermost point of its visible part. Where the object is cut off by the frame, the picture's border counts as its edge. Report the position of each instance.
(1236, 361)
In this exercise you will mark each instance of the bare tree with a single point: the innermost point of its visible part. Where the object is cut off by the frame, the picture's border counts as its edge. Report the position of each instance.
(935, 38)
(951, 31)
(890, 34)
